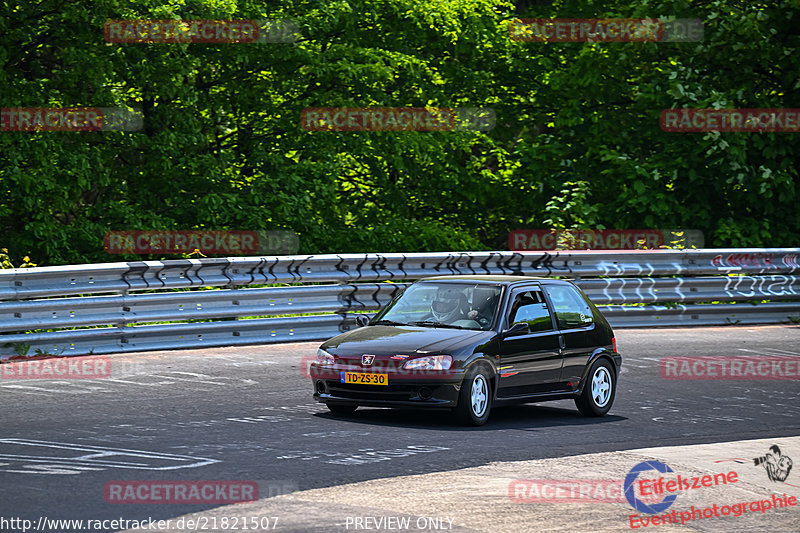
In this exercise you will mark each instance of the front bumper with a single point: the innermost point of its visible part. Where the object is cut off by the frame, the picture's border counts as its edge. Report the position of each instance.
(433, 391)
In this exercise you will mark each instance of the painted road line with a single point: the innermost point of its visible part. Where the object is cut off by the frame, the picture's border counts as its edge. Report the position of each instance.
(486, 498)
(26, 456)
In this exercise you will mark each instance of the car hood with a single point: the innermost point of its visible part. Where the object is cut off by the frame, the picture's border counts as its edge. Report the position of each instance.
(410, 340)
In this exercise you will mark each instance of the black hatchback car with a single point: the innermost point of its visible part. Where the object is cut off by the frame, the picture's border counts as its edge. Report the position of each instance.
(468, 343)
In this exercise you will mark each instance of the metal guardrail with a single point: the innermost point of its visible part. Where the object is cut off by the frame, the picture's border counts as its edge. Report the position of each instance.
(347, 268)
(192, 305)
(73, 312)
(685, 290)
(106, 301)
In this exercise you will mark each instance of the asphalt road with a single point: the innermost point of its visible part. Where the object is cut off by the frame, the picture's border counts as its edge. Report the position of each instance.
(247, 414)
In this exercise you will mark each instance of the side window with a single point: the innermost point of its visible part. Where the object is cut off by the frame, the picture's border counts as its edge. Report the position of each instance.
(571, 309)
(530, 307)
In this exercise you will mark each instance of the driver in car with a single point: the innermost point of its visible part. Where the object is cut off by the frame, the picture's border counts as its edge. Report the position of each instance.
(449, 306)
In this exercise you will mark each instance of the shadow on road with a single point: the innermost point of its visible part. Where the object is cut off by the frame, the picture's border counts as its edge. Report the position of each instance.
(521, 417)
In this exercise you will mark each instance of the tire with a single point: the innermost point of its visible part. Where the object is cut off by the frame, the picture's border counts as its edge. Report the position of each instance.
(475, 397)
(339, 409)
(598, 391)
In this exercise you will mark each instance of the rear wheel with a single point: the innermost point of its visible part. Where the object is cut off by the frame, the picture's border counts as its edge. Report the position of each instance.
(475, 398)
(341, 409)
(598, 391)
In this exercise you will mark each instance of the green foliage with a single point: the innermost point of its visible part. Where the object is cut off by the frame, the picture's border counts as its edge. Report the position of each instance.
(577, 142)
(5, 260)
(571, 209)
(19, 348)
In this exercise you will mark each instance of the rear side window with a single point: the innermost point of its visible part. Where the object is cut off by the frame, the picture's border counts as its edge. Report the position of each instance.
(570, 308)
(530, 307)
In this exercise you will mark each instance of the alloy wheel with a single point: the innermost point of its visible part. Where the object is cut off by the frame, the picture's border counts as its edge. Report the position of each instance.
(479, 395)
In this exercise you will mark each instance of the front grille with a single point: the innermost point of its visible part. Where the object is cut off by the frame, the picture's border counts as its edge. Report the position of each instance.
(371, 392)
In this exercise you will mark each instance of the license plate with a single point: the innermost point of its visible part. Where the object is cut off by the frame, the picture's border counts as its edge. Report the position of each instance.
(364, 379)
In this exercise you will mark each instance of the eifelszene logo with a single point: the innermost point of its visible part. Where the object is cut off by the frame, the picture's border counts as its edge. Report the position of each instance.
(630, 495)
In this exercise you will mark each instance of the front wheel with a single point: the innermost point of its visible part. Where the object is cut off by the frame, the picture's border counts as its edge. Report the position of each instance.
(598, 391)
(475, 398)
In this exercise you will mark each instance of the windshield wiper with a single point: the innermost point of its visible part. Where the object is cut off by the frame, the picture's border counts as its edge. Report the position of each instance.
(388, 323)
(435, 324)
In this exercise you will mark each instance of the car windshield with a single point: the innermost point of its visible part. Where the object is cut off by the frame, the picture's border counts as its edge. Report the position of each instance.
(445, 304)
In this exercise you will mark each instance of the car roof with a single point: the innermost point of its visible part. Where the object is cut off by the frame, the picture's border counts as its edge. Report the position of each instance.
(494, 279)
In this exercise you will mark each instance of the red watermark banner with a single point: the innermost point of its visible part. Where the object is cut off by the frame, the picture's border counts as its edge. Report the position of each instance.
(199, 31)
(69, 119)
(609, 490)
(396, 119)
(181, 492)
(97, 367)
(606, 239)
(737, 261)
(208, 242)
(570, 30)
(393, 368)
(730, 368)
(740, 120)
(566, 490)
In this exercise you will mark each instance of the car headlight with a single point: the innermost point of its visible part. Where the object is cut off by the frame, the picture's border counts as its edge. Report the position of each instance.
(430, 362)
(324, 358)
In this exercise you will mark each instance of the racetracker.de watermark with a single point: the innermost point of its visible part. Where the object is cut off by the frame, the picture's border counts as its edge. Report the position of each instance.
(730, 368)
(730, 120)
(37, 119)
(397, 119)
(566, 490)
(204, 491)
(646, 492)
(96, 367)
(606, 239)
(200, 31)
(605, 30)
(392, 370)
(209, 242)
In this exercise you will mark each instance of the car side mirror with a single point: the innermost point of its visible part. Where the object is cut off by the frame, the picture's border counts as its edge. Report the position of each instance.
(520, 328)
(362, 320)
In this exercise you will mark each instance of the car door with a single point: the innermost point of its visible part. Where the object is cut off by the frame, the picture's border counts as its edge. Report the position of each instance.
(529, 363)
(575, 322)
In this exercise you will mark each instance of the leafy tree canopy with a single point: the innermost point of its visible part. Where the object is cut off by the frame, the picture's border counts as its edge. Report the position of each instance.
(577, 141)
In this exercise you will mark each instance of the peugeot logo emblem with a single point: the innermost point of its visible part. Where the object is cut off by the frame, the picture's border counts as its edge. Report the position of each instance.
(366, 360)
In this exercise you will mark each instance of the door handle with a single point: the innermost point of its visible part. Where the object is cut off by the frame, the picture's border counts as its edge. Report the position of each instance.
(561, 342)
